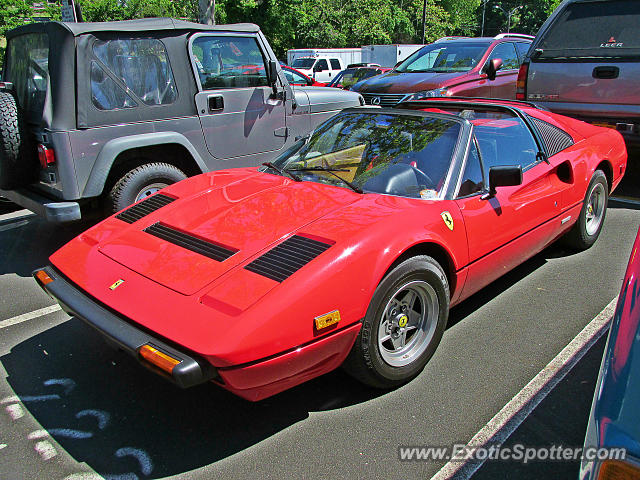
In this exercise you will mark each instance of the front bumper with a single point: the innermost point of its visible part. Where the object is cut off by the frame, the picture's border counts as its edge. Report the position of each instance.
(189, 372)
(51, 210)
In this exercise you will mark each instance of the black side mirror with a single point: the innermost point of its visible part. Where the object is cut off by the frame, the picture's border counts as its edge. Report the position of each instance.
(504, 176)
(492, 67)
(309, 82)
(273, 72)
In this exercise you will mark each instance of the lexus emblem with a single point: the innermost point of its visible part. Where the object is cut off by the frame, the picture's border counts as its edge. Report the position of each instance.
(375, 101)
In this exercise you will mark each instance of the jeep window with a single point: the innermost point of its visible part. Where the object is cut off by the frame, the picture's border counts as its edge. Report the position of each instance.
(105, 93)
(141, 64)
(594, 29)
(439, 58)
(28, 69)
(321, 66)
(507, 53)
(228, 62)
(335, 64)
(305, 63)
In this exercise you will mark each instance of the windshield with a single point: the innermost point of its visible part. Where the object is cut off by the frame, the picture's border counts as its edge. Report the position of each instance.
(445, 57)
(395, 154)
(594, 30)
(351, 76)
(305, 63)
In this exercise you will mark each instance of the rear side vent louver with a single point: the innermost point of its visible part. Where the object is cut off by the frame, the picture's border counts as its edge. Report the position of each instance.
(144, 208)
(555, 140)
(287, 258)
(184, 240)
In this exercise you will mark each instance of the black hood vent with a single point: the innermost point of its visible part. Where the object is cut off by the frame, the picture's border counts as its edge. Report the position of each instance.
(287, 258)
(144, 208)
(195, 244)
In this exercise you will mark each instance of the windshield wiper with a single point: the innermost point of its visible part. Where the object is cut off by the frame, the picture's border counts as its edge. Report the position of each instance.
(332, 171)
(282, 172)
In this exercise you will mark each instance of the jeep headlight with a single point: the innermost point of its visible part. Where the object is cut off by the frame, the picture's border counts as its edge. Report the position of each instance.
(438, 92)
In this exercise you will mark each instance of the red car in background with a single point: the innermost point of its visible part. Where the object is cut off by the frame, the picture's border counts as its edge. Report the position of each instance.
(298, 78)
(452, 66)
(349, 249)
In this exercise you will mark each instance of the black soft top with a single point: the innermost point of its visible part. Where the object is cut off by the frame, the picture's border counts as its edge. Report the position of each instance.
(140, 25)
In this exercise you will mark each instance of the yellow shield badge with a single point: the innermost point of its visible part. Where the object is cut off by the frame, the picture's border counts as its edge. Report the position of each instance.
(116, 284)
(448, 219)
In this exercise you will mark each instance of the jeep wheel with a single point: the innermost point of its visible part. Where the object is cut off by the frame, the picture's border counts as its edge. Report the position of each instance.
(141, 182)
(15, 169)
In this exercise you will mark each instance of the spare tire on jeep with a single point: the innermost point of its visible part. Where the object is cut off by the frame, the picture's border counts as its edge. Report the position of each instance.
(18, 164)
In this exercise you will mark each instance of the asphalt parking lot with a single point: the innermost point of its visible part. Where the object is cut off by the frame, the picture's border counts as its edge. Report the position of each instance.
(72, 408)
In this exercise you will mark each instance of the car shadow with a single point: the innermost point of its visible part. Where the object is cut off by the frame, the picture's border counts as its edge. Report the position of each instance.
(106, 410)
(27, 241)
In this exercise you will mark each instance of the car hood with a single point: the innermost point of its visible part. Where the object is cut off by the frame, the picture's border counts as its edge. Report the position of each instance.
(323, 99)
(397, 82)
(244, 218)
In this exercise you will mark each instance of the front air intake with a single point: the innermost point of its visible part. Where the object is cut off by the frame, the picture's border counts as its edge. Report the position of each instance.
(287, 258)
(144, 208)
(195, 244)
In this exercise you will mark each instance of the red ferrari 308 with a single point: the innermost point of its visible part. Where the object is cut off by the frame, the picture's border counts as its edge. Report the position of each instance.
(348, 249)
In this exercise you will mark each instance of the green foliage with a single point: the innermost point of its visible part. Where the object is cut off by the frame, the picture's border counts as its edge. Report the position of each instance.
(316, 23)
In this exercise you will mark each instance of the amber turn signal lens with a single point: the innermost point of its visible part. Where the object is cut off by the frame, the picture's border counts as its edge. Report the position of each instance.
(160, 359)
(617, 470)
(326, 320)
(43, 278)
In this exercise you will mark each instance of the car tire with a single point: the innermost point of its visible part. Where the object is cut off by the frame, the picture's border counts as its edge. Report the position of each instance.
(586, 230)
(16, 166)
(391, 349)
(141, 182)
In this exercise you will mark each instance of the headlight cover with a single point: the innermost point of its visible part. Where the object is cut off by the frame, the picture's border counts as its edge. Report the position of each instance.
(438, 92)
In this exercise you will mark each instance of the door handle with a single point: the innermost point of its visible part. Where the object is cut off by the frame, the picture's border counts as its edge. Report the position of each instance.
(606, 72)
(216, 103)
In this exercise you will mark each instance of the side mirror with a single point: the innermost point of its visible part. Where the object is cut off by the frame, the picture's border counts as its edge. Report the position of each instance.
(504, 176)
(309, 82)
(491, 68)
(273, 72)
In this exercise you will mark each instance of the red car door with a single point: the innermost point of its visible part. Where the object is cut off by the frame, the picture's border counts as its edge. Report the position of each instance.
(504, 85)
(513, 225)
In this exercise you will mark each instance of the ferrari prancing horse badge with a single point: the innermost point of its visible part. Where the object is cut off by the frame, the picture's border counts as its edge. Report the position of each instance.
(448, 219)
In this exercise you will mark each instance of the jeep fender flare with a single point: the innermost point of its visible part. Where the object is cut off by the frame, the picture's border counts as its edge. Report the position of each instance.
(113, 148)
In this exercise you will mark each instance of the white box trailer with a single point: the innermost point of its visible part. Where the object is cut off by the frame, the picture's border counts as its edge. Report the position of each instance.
(387, 55)
(347, 55)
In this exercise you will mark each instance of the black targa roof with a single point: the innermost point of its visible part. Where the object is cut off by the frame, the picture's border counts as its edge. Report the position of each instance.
(143, 24)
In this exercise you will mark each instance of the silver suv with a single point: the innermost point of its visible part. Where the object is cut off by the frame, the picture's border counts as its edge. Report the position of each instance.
(104, 114)
(585, 63)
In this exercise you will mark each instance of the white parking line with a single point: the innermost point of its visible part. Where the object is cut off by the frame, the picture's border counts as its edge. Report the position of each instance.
(504, 423)
(29, 316)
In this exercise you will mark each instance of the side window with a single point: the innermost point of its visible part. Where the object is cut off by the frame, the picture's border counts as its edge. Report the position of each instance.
(294, 77)
(522, 48)
(141, 64)
(472, 177)
(321, 65)
(228, 62)
(504, 139)
(335, 64)
(507, 53)
(106, 94)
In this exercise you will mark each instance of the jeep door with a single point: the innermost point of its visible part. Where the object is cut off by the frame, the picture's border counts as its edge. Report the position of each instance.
(237, 109)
